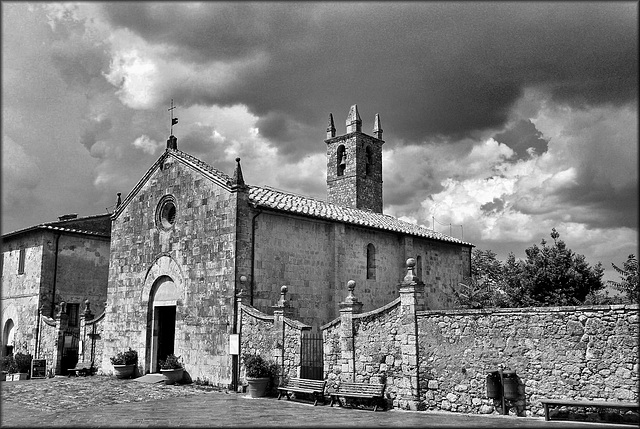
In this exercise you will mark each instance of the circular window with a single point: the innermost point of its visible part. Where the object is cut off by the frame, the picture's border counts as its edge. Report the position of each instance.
(166, 212)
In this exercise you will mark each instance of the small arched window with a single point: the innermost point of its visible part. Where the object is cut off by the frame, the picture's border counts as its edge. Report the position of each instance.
(419, 267)
(371, 261)
(369, 161)
(341, 160)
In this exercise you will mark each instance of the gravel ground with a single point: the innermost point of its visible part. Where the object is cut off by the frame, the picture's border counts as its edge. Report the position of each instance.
(74, 393)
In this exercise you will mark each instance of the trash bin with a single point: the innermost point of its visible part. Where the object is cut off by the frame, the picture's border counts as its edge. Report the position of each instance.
(494, 388)
(510, 381)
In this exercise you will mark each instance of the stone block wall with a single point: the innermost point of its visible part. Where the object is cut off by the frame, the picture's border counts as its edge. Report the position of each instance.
(557, 352)
(320, 257)
(440, 359)
(379, 346)
(48, 343)
(197, 252)
(91, 335)
(278, 342)
(83, 270)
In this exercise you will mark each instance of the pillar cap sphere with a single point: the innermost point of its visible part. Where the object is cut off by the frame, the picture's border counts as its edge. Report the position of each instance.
(411, 262)
(284, 289)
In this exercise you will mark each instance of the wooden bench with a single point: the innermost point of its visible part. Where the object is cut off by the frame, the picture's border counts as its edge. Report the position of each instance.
(585, 404)
(82, 368)
(359, 390)
(303, 385)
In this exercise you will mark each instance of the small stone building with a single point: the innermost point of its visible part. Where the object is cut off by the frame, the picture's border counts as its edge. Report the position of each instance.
(188, 238)
(65, 261)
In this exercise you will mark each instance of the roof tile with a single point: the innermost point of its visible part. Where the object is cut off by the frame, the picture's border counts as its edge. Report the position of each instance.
(280, 200)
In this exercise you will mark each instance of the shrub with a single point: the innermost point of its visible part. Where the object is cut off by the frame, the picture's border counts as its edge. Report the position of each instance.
(257, 367)
(23, 362)
(8, 364)
(129, 357)
(171, 362)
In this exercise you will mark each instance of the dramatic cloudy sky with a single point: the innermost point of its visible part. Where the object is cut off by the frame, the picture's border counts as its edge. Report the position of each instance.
(502, 119)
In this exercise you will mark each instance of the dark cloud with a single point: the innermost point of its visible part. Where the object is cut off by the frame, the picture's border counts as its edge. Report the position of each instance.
(521, 137)
(429, 69)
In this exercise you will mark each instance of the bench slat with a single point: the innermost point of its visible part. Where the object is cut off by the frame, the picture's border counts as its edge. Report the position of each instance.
(303, 385)
(585, 403)
(359, 390)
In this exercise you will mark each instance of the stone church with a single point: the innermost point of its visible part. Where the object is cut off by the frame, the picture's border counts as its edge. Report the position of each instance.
(188, 238)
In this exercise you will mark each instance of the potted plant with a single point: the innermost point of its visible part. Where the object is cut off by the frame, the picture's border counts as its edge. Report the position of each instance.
(21, 366)
(258, 373)
(172, 369)
(7, 365)
(124, 363)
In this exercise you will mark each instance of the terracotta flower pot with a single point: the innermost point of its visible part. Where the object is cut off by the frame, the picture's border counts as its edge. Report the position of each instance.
(172, 375)
(124, 371)
(257, 386)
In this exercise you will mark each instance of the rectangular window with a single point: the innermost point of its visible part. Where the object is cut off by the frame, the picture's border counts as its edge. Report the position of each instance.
(72, 311)
(21, 261)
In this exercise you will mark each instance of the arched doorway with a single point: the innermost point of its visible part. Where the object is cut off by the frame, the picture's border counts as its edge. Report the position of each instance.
(8, 334)
(162, 312)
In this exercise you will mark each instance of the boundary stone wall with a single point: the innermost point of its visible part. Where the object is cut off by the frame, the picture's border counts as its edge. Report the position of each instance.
(440, 359)
(277, 338)
(588, 352)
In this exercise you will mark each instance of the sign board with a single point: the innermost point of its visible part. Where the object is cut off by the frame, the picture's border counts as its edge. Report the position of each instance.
(38, 368)
(234, 344)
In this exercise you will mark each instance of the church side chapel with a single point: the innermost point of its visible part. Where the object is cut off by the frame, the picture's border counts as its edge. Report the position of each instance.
(189, 238)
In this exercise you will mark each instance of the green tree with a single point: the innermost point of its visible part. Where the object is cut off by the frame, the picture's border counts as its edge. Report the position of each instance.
(554, 275)
(485, 287)
(628, 284)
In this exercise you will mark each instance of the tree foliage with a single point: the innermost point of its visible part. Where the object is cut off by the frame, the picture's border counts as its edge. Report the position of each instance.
(551, 275)
(628, 283)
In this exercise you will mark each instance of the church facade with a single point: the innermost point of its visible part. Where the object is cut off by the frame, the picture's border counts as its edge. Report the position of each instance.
(189, 238)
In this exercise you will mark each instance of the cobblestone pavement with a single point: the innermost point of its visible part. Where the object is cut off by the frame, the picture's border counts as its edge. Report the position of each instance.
(101, 401)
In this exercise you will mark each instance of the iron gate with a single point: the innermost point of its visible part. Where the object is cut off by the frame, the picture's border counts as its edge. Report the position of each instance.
(70, 348)
(311, 357)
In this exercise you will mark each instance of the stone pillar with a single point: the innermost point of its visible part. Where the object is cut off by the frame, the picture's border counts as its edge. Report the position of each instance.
(62, 322)
(348, 308)
(86, 342)
(411, 300)
(281, 310)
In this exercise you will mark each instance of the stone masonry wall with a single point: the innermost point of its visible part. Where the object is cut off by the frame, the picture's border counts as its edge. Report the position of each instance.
(259, 334)
(83, 269)
(317, 258)
(48, 342)
(21, 292)
(440, 359)
(197, 253)
(378, 343)
(566, 352)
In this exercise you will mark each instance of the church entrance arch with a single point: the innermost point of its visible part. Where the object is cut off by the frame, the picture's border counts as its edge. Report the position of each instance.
(8, 338)
(162, 308)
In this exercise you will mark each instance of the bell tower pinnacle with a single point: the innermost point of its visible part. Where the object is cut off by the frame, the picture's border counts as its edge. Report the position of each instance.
(354, 164)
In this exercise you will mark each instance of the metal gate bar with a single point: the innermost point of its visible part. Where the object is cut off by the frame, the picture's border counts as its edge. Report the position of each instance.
(311, 357)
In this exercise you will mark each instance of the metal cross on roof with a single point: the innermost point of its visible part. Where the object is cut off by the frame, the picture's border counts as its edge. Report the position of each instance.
(173, 120)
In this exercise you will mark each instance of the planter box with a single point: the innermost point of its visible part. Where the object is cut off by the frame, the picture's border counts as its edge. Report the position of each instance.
(257, 386)
(17, 376)
(172, 375)
(124, 371)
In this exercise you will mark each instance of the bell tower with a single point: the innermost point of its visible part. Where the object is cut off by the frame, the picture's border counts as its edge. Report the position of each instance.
(354, 164)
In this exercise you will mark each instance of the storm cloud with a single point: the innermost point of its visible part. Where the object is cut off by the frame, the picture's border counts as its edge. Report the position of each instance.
(501, 119)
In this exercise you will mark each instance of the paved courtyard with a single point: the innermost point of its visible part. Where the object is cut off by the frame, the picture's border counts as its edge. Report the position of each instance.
(101, 401)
